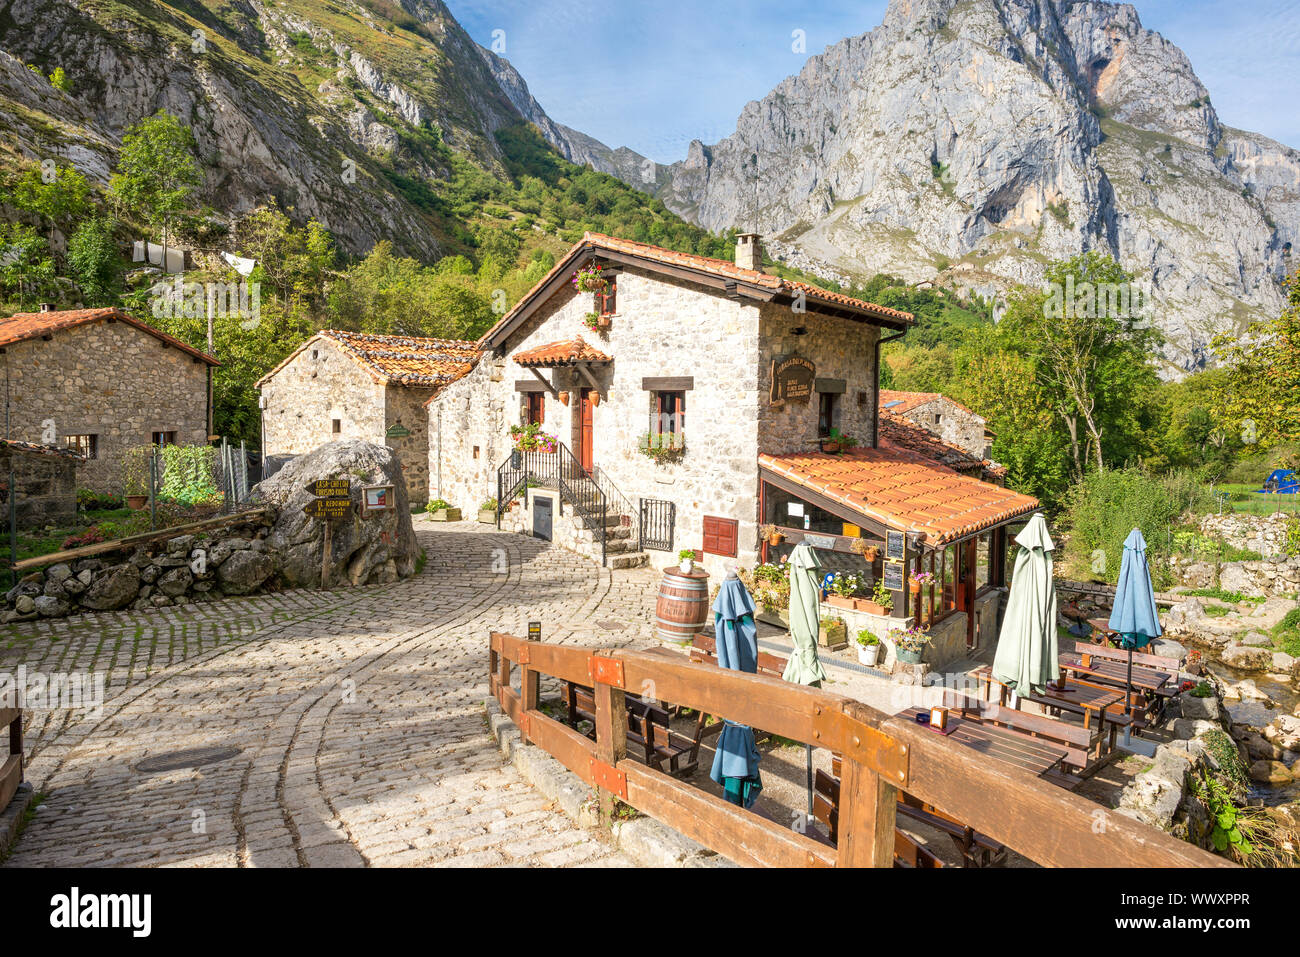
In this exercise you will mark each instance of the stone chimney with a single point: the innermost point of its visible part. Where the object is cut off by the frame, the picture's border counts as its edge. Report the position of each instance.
(47, 307)
(749, 252)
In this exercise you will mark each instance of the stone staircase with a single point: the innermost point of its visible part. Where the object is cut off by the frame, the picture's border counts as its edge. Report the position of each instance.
(620, 547)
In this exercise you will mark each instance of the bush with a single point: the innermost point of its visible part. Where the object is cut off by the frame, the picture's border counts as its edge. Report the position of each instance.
(437, 505)
(1102, 509)
(88, 500)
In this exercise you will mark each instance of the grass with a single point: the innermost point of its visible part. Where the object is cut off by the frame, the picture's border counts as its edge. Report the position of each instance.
(37, 800)
(1244, 499)
(1231, 597)
(1286, 633)
(1216, 611)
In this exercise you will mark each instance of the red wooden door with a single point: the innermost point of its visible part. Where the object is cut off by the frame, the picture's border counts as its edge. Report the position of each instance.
(585, 436)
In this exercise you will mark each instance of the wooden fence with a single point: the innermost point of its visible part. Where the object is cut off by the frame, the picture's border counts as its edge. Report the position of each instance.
(11, 768)
(882, 755)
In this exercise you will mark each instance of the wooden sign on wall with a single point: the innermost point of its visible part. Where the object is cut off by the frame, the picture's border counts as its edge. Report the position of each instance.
(792, 379)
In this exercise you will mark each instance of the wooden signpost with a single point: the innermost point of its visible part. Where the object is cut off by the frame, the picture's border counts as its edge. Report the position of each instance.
(333, 501)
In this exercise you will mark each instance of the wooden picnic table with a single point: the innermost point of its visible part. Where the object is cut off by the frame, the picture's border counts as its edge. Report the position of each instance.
(1033, 754)
(1101, 631)
(1144, 678)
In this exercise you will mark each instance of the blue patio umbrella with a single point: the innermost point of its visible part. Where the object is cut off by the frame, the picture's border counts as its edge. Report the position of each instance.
(1134, 617)
(735, 762)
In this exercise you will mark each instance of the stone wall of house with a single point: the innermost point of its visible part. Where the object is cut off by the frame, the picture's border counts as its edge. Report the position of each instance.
(111, 380)
(839, 349)
(46, 486)
(663, 328)
(320, 384)
(404, 409)
(956, 426)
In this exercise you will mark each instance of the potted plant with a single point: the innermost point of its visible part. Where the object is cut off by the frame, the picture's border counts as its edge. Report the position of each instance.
(868, 648)
(487, 512)
(919, 581)
(909, 643)
(135, 476)
(531, 438)
(687, 558)
(662, 446)
(833, 633)
(440, 511)
(842, 589)
(864, 548)
(847, 442)
(881, 601)
(590, 279)
(595, 322)
(772, 535)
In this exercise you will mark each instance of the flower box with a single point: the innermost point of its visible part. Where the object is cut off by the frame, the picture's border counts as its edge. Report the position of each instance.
(870, 607)
(446, 515)
(833, 634)
(487, 516)
(780, 617)
(839, 601)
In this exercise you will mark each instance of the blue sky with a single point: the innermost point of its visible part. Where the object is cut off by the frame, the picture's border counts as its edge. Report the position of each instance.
(654, 76)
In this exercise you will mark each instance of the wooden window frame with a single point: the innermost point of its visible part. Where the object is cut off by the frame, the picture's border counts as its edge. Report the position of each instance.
(532, 399)
(163, 433)
(608, 300)
(831, 401)
(657, 415)
(90, 448)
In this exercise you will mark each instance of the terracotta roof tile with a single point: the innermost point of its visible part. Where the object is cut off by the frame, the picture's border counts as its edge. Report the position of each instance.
(561, 354)
(33, 325)
(903, 490)
(400, 360)
(900, 433)
(900, 402)
(29, 448)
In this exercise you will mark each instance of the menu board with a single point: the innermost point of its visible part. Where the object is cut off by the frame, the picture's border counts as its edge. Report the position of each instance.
(895, 546)
(893, 576)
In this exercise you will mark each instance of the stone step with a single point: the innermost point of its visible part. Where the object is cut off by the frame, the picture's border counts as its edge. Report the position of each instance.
(633, 560)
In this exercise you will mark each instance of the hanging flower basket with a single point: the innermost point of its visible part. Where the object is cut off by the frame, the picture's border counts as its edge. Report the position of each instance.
(590, 279)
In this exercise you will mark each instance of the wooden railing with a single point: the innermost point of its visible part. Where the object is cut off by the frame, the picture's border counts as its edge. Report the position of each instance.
(882, 755)
(11, 768)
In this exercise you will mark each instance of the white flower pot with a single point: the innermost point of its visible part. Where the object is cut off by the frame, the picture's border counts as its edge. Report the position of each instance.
(686, 566)
(869, 654)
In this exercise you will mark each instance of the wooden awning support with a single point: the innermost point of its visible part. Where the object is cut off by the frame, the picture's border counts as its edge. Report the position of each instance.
(591, 379)
(542, 379)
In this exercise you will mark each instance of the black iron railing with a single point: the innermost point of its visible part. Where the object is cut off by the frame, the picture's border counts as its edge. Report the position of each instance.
(560, 471)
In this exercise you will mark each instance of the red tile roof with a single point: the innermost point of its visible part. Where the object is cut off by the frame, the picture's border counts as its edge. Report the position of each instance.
(565, 353)
(907, 401)
(721, 268)
(29, 448)
(33, 325)
(900, 433)
(399, 360)
(903, 490)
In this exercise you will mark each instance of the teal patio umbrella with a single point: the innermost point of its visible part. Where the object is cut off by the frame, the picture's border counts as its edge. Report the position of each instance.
(735, 762)
(1026, 659)
(1134, 617)
(804, 667)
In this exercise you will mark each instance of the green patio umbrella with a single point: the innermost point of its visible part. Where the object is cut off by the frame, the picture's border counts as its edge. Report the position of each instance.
(804, 667)
(1026, 659)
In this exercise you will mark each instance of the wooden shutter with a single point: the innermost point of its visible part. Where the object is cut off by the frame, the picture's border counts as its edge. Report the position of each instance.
(721, 536)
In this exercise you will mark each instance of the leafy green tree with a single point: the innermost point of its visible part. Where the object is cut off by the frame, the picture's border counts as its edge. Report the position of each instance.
(65, 197)
(26, 266)
(1260, 395)
(157, 173)
(94, 262)
(59, 80)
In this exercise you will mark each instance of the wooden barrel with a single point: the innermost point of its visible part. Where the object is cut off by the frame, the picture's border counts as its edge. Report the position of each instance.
(683, 605)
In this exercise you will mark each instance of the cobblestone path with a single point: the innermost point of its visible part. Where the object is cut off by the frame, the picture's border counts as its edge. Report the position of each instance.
(358, 715)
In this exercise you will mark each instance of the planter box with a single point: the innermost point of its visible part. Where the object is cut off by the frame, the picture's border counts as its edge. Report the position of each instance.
(839, 601)
(487, 516)
(834, 637)
(446, 515)
(780, 617)
(870, 607)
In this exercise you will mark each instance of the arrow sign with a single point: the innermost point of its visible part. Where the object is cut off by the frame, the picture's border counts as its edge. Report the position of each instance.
(329, 488)
(329, 508)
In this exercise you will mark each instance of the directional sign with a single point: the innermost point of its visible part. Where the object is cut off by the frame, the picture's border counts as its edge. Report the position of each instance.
(329, 508)
(329, 488)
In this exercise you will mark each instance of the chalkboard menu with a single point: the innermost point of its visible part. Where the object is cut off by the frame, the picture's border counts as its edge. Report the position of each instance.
(893, 576)
(895, 546)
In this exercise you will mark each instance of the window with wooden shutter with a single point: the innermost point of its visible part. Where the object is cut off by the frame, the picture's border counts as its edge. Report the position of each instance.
(608, 300)
(721, 536)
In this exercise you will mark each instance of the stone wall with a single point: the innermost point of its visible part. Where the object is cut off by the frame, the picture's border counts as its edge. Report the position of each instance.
(46, 484)
(1262, 579)
(1266, 534)
(404, 409)
(108, 379)
(957, 425)
(469, 435)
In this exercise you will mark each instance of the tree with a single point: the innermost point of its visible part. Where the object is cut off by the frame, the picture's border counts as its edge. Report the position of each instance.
(94, 262)
(56, 194)
(1260, 396)
(25, 262)
(157, 174)
(1091, 358)
(59, 80)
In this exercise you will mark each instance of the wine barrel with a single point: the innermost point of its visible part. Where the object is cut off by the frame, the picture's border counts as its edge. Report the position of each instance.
(683, 605)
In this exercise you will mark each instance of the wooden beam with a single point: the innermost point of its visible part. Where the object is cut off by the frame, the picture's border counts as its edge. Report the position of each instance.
(681, 383)
(591, 379)
(542, 379)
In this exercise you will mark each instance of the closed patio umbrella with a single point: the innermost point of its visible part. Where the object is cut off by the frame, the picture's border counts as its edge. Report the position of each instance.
(735, 762)
(1134, 616)
(1026, 659)
(804, 667)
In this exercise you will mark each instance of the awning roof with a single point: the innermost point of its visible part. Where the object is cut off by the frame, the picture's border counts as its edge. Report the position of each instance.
(567, 353)
(902, 490)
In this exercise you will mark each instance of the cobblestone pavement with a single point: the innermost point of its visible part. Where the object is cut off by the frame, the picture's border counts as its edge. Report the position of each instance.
(358, 715)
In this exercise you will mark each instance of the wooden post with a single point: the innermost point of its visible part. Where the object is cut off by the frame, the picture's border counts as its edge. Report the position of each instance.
(16, 744)
(867, 815)
(611, 738)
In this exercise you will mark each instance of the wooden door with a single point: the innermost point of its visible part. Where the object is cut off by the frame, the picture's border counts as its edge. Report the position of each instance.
(584, 430)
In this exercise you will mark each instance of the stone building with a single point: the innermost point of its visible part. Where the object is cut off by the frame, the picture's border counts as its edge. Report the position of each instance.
(348, 385)
(943, 418)
(695, 401)
(45, 480)
(100, 381)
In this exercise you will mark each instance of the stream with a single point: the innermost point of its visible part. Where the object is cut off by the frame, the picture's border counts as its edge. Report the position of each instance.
(1259, 714)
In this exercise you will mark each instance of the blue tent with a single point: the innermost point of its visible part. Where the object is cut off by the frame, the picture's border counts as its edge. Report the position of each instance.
(735, 762)
(1281, 482)
(1134, 616)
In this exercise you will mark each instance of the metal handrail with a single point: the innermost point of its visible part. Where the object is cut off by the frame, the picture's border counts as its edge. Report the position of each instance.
(561, 471)
(620, 501)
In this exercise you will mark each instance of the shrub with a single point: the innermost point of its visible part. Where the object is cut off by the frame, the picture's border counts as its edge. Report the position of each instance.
(437, 505)
(91, 536)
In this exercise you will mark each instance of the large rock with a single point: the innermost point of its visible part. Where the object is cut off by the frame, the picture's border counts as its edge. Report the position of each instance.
(244, 572)
(175, 582)
(1246, 658)
(1155, 794)
(1270, 772)
(379, 547)
(1202, 709)
(112, 588)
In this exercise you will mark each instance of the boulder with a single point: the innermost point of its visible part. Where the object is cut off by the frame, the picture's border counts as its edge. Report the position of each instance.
(243, 572)
(1188, 728)
(1167, 647)
(112, 588)
(175, 582)
(1185, 616)
(149, 574)
(1201, 709)
(1155, 795)
(1270, 772)
(50, 607)
(74, 586)
(1254, 639)
(1259, 748)
(58, 573)
(1234, 577)
(1283, 663)
(379, 547)
(1247, 690)
(180, 545)
(55, 589)
(25, 604)
(1200, 575)
(1245, 658)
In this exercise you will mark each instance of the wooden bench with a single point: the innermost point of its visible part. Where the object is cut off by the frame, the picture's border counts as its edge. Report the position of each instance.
(1075, 739)
(705, 648)
(648, 726)
(826, 805)
(1162, 664)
